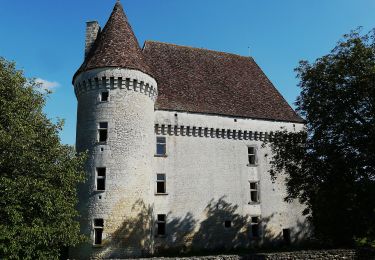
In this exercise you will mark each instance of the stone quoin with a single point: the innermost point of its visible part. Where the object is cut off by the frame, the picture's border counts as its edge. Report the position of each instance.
(174, 138)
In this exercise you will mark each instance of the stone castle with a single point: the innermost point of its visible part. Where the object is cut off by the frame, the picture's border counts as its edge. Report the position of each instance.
(174, 137)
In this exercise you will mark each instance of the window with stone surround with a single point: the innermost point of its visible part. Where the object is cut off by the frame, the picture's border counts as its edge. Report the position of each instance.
(254, 192)
(100, 178)
(161, 187)
(161, 146)
(98, 231)
(161, 225)
(251, 155)
(103, 132)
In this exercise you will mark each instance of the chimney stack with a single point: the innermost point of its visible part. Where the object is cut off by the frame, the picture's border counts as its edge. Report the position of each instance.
(92, 31)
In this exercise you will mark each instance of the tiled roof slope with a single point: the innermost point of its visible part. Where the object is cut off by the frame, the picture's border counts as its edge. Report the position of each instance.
(204, 81)
(115, 46)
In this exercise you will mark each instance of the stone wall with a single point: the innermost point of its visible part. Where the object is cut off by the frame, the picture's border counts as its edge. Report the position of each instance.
(333, 254)
(208, 182)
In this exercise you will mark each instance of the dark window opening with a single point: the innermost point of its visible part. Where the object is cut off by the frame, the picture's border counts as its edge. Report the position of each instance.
(111, 82)
(160, 145)
(104, 82)
(286, 235)
(119, 82)
(227, 223)
(251, 155)
(160, 183)
(104, 96)
(100, 178)
(160, 225)
(98, 231)
(255, 226)
(103, 131)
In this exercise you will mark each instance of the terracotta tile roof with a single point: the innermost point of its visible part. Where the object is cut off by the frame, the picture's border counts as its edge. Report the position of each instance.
(115, 46)
(203, 81)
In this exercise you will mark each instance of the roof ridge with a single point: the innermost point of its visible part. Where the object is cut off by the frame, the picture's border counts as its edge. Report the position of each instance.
(197, 48)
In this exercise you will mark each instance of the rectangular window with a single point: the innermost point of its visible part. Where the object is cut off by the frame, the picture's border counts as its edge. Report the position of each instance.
(160, 225)
(98, 231)
(255, 227)
(100, 178)
(254, 192)
(119, 82)
(227, 223)
(251, 153)
(111, 82)
(161, 145)
(104, 96)
(103, 131)
(160, 183)
(286, 235)
(104, 82)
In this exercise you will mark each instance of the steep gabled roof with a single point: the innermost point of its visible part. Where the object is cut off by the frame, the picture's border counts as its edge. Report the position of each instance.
(115, 46)
(204, 81)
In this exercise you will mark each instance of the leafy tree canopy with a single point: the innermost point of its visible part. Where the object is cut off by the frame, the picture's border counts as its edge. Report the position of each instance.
(38, 175)
(331, 165)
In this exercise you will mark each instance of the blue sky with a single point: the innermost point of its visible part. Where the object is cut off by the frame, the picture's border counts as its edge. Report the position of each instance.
(46, 37)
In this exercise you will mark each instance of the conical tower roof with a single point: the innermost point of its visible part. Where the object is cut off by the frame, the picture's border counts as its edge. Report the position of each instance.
(115, 46)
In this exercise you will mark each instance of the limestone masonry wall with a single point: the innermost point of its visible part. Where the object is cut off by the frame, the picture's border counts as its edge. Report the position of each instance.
(333, 254)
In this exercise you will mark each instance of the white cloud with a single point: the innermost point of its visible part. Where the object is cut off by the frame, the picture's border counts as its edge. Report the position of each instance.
(47, 85)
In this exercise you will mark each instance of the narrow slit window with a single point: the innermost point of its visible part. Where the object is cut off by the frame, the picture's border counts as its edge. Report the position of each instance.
(100, 178)
(161, 225)
(251, 152)
(161, 183)
(254, 192)
(103, 131)
(98, 231)
(161, 145)
(255, 227)
(104, 96)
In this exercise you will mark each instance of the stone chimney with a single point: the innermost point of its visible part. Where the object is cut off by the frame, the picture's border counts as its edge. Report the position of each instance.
(92, 31)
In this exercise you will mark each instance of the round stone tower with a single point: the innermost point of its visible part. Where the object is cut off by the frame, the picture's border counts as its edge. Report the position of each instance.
(115, 125)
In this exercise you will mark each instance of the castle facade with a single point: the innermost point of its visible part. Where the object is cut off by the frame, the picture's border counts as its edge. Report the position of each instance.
(174, 138)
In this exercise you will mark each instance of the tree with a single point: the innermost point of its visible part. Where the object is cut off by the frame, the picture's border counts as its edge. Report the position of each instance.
(38, 175)
(330, 167)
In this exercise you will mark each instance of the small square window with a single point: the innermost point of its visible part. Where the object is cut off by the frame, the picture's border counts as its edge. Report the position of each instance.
(103, 131)
(227, 223)
(251, 152)
(104, 96)
(160, 183)
(160, 145)
(161, 225)
(98, 231)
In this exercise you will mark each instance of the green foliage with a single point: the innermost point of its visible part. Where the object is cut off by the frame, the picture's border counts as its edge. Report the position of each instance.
(331, 165)
(38, 175)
